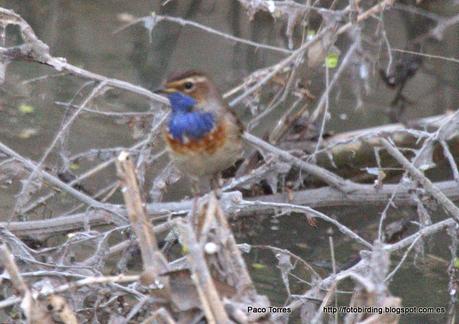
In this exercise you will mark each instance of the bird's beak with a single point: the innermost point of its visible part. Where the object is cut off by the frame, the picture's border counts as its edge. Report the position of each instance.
(163, 90)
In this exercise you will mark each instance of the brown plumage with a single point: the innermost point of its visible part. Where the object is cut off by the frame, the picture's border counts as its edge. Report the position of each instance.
(218, 148)
(208, 144)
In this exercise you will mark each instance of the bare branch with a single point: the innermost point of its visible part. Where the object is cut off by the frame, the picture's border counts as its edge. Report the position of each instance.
(417, 175)
(153, 261)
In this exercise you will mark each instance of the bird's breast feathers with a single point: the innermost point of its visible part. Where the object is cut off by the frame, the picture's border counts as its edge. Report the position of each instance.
(210, 152)
(207, 143)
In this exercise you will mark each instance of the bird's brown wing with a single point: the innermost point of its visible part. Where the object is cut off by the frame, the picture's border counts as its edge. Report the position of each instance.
(237, 121)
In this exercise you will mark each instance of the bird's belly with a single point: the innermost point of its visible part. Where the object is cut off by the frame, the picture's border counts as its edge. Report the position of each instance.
(201, 163)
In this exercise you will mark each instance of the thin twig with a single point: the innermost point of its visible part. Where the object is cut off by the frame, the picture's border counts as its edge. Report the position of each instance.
(153, 261)
(417, 175)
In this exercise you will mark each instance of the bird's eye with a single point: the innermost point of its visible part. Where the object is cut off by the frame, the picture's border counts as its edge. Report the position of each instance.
(188, 85)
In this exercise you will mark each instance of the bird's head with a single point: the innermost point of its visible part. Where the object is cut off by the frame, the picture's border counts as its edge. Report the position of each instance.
(188, 90)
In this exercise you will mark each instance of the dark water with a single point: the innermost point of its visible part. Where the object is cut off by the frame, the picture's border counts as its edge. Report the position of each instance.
(83, 33)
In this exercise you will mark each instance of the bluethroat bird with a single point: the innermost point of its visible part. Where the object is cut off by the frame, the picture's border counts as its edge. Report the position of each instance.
(203, 135)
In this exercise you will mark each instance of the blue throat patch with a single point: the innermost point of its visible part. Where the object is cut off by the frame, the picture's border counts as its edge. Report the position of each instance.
(185, 122)
(180, 102)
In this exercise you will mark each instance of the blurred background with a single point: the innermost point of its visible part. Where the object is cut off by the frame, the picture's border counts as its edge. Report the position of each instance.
(87, 34)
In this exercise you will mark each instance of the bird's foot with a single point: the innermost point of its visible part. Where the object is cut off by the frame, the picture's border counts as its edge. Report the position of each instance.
(215, 185)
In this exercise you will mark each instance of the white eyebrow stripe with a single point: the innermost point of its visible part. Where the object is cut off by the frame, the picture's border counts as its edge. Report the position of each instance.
(196, 79)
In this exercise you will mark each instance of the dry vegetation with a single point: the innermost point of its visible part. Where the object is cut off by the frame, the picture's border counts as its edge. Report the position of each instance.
(294, 169)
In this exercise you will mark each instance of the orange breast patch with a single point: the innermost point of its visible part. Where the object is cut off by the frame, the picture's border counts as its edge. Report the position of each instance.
(209, 143)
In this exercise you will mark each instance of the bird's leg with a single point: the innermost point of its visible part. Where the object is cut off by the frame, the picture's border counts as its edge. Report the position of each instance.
(215, 182)
(196, 193)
